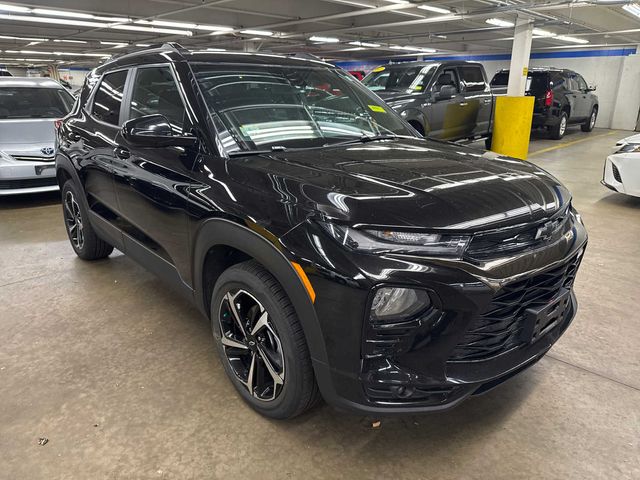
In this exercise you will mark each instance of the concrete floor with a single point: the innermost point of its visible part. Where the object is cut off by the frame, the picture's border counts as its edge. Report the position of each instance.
(120, 374)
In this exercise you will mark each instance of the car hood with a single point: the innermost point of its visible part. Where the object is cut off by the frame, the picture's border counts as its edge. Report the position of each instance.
(28, 137)
(409, 183)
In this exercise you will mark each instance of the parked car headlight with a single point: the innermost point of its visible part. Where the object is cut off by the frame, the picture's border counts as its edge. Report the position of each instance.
(380, 241)
(630, 148)
(398, 303)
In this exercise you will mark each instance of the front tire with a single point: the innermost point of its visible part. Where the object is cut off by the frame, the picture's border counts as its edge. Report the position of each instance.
(591, 122)
(558, 130)
(84, 240)
(261, 342)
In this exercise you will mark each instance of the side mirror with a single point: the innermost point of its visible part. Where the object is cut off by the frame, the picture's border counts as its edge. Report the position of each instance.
(446, 92)
(154, 131)
(591, 88)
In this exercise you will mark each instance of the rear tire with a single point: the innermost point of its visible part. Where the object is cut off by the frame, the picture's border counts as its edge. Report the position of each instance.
(84, 240)
(487, 142)
(557, 131)
(261, 342)
(591, 122)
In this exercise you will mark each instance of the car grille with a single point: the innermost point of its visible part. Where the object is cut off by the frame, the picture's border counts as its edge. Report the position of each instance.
(499, 328)
(616, 172)
(28, 183)
(512, 240)
(25, 158)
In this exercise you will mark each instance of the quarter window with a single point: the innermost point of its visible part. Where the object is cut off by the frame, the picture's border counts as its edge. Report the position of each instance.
(155, 92)
(473, 79)
(108, 98)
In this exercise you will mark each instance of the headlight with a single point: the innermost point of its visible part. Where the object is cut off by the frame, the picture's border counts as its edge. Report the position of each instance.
(398, 303)
(380, 241)
(630, 148)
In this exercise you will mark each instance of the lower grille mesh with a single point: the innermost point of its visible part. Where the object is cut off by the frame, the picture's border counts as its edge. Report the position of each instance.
(616, 173)
(499, 329)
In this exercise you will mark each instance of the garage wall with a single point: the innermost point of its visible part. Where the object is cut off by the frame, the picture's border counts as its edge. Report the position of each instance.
(615, 72)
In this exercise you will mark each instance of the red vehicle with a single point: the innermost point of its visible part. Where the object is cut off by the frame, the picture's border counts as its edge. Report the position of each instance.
(359, 74)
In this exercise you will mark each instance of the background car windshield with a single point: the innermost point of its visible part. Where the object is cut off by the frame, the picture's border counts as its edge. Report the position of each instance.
(24, 102)
(296, 107)
(398, 78)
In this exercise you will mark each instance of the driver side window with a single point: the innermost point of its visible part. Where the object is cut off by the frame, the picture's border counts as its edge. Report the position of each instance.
(155, 92)
(448, 76)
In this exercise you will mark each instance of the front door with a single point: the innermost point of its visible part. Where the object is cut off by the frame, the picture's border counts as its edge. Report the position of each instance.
(446, 115)
(478, 99)
(152, 183)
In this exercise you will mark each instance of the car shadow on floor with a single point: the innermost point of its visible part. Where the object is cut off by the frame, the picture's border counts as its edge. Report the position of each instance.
(621, 200)
(33, 200)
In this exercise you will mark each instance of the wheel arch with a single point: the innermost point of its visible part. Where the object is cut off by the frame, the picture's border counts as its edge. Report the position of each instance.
(220, 243)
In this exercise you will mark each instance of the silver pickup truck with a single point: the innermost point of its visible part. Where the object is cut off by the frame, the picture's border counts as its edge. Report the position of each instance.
(449, 100)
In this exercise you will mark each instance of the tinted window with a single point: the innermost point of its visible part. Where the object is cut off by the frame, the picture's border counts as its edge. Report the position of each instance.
(106, 103)
(155, 92)
(557, 79)
(500, 79)
(26, 102)
(537, 82)
(448, 76)
(570, 81)
(472, 78)
(292, 106)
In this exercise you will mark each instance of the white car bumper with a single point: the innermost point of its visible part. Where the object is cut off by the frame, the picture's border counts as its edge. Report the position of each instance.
(26, 176)
(622, 173)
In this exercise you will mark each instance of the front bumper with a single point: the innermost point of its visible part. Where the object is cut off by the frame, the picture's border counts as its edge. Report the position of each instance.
(26, 176)
(472, 340)
(622, 173)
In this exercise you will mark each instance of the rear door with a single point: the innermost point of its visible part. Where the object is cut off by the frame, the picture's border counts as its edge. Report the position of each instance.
(446, 116)
(93, 138)
(478, 99)
(538, 85)
(152, 183)
(573, 95)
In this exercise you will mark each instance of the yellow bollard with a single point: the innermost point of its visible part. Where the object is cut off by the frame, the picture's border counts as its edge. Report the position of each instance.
(512, 126)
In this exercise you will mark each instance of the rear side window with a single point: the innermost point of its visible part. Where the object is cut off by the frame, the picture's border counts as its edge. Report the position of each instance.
(537, 82)
(108, 98)
(473, 78)
(500, 79)
(155, 92)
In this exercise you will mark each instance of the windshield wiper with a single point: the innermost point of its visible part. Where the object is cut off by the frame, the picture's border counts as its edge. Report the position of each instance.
(243, 153)
(366, 139)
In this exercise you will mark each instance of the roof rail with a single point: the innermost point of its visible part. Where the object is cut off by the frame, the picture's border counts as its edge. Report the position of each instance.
(175, 46)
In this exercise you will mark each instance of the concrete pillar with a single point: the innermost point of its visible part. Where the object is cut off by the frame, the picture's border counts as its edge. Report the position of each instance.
(520, 51)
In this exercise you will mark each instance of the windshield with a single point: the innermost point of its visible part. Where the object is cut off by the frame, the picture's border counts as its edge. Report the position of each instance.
(28, 102)
(411, 78)
(256, 108)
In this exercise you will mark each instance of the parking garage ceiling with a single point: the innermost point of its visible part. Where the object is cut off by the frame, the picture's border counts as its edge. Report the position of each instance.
(85, 33)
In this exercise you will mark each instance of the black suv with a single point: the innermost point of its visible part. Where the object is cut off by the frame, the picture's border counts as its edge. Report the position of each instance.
(334, 251)
(562, 97)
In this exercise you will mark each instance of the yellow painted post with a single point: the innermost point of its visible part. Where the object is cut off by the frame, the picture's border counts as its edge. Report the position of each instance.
(512, 126)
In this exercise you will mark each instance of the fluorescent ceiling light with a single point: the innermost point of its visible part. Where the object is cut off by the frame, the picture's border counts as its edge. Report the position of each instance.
(26, 39)
(409, 48)
(86, 23)
(61, 13)
(73, 54)
(135, 28)
(166, 23)
(566, 38)
(265, 33)
(112, 43)
(632, 8)
(537, 32)
(499, 22)
(216, 28)
(69, 41)
(434, 9)
(216, 49)
(143, 45)
(13, 8)
(317, 38)
(365, 44)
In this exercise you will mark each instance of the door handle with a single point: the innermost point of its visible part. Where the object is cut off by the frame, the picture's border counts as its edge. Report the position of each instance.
(74, 136)
(463, 104)
(122, 153)
(487, 100)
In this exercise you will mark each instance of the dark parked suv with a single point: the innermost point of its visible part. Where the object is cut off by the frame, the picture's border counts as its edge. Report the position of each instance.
(334, 251)
(562, 97)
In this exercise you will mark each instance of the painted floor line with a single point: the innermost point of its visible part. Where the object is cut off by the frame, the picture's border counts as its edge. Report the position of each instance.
(568, 144)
